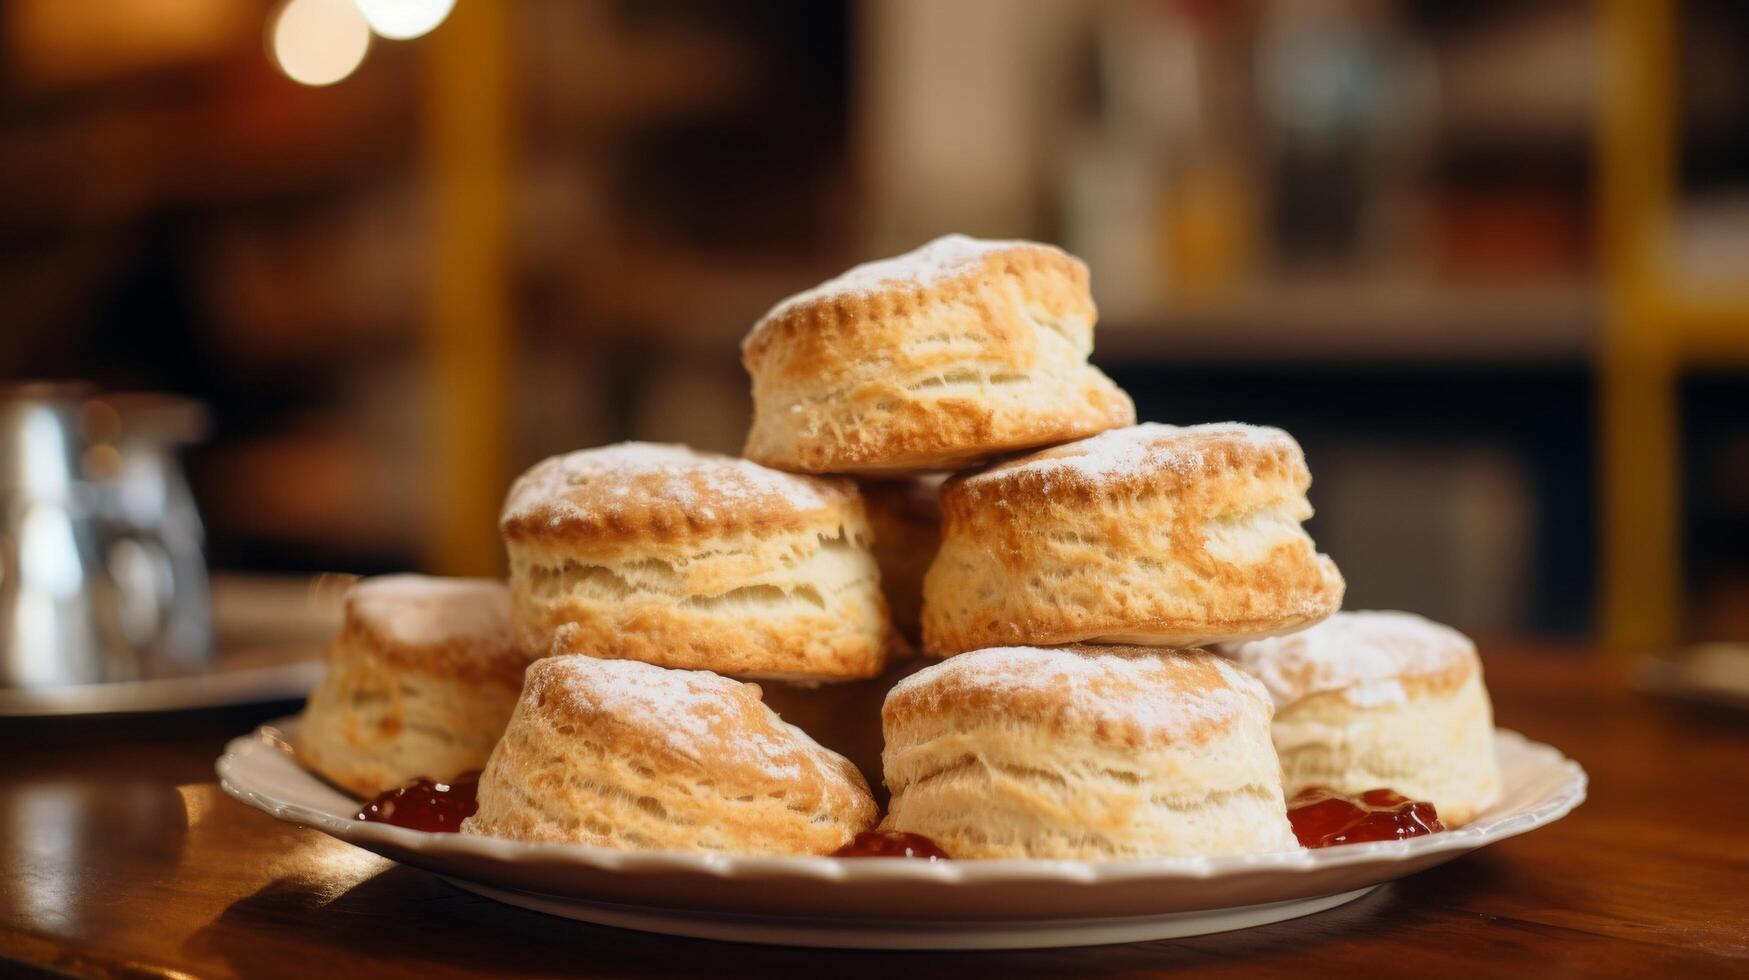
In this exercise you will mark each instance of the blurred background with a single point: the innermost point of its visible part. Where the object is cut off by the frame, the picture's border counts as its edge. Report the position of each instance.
(1486, 260)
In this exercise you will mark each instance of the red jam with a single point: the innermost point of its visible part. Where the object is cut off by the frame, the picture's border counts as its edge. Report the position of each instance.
(891, 844)
(426, 804)
(1324, 818)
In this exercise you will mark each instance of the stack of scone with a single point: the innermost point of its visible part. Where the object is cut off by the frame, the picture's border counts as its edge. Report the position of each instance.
(1124, 608)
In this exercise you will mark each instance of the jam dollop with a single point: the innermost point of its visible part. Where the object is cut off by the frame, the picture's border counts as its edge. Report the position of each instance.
(891, 844)
(427, 804)
(1324, 818)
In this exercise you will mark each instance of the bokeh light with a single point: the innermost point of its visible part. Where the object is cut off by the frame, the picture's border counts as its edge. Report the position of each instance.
(399, 20)
(319, 42)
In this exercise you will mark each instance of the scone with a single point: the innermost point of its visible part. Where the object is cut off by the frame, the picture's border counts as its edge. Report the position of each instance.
(906, 518)
(694, 560)
(1371, 700)
(1084, 753)
(420, 683)
(622, 754)
(1152, 534)
(930, 361)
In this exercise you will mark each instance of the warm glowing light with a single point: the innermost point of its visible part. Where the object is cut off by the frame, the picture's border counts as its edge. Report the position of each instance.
(399, 20)
(319, 42)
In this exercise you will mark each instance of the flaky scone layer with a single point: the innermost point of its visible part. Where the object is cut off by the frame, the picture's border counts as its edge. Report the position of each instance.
(695, 561)
(420, 682)
(930, 361)
(632, 756)
(1436, 746)
(629, 497)
(370, 727)
(1084, 753)
(1370, 700)
(1152, 534)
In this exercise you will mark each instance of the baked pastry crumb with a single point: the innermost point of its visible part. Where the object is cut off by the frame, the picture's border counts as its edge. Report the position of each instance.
(930, 361)
(1369, 700)
(695, 560)
(623, 754)
(1087, 752)
(420, 682)
(1152, 534)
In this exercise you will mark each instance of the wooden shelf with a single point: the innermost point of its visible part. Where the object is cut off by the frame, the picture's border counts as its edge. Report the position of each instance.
(1367, 322)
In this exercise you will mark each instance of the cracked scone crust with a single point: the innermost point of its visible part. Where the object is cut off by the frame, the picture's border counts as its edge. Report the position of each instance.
(694, 560)
(420, 682)
(1085, 753)
(933, 360)
(622, 754)
(1371, 699)
(1152, 534)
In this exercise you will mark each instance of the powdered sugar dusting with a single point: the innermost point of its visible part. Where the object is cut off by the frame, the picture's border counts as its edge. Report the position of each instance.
(1365, 655)
(423, 611)
(703, 717)
(647, 475)
(1163, 694)
(947, 256)
(1148, 447)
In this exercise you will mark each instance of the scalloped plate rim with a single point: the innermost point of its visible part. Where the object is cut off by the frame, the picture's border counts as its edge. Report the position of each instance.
(1562, 788)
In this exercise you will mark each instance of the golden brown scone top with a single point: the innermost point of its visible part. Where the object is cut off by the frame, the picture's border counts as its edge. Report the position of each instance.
(453, 627)
(1373, 657)
(1121, 695)
(667, 492)
(1147, 455)
(947, 268)
(699, 724)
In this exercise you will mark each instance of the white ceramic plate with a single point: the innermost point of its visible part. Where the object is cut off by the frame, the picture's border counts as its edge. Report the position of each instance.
(898, 903)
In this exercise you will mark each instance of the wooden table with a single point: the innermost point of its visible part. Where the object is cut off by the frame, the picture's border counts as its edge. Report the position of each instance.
(120, 856)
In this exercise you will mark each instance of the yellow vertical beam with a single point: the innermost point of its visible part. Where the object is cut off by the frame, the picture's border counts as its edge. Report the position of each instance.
(1637, 358)
(468, 133)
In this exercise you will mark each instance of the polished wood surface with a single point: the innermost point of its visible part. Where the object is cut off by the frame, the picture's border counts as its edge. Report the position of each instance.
(119, 856)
